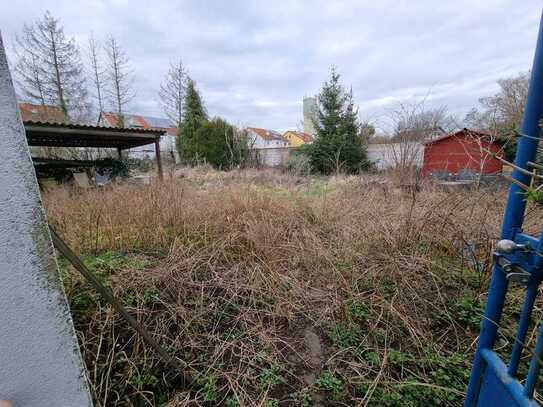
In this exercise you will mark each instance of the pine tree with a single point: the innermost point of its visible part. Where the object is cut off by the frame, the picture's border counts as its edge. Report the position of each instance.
(49, 68)
(338, 146)
(194, 116)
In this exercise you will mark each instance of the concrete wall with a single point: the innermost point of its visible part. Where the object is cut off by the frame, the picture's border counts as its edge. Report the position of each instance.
(272, 157)
(383, 154)
(40, 364)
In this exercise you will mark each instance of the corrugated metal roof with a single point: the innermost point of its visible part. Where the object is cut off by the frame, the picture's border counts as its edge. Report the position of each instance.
(77, 126)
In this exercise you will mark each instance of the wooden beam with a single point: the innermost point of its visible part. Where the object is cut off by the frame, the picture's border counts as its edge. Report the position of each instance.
(53, 162)
(158, 159)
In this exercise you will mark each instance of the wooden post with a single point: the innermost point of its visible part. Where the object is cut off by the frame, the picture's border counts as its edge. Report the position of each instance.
(120, 153)
(158, 159)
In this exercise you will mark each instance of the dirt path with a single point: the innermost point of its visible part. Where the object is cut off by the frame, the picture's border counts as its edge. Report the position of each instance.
(314, 356)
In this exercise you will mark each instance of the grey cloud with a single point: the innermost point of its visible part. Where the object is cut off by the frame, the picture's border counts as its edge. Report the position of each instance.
(254, 61)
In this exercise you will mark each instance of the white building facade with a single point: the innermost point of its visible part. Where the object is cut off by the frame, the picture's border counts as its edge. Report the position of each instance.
(168, 145)
(268, 146)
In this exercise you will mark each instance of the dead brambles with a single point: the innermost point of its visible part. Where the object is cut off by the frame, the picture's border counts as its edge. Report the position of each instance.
(280, 290)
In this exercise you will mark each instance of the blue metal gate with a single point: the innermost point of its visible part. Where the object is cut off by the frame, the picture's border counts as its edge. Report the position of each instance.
(518, 258)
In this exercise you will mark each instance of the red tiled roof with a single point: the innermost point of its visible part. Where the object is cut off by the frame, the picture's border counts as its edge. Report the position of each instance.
(136, 121)
(306, 137)
(266, 134)
(112, 119)
(172, 131)
(141, 121)
(42, 113)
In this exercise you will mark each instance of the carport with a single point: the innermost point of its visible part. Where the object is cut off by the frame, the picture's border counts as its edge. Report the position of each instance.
(45, 134)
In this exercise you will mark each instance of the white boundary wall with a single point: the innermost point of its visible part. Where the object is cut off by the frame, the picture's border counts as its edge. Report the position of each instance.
(383, 154)
(272, 157)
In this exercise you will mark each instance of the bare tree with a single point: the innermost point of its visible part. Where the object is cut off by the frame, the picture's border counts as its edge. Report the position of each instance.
(501, 113)
(413, 124)
(97, 72)
(172, 92)
(120, 78)
(49, 67)
(31, 76)
(417, 123)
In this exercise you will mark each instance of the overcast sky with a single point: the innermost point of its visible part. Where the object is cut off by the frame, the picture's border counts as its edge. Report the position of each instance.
(255, 60)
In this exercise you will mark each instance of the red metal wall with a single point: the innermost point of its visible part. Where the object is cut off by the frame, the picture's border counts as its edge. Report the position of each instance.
(459, 152)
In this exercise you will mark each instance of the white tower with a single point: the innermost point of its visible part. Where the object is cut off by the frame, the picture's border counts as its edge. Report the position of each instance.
(310, 106)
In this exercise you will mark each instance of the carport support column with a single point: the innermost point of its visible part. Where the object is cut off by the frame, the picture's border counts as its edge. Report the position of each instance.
(158, 159)
(40, 363)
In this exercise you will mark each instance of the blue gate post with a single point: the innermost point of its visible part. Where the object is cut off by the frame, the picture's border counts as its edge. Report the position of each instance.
(513, 217)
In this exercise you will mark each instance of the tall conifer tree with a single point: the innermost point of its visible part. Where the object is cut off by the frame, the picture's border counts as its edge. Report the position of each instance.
(338, 145)
(194, 116)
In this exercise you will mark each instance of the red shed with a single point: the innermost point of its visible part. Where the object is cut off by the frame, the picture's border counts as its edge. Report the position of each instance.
(464, 150)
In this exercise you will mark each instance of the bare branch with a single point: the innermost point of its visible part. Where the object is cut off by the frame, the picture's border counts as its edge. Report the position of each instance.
(120, 78)
(97, 72)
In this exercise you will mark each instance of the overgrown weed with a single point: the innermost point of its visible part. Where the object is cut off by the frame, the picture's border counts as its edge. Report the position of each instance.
(227, 271)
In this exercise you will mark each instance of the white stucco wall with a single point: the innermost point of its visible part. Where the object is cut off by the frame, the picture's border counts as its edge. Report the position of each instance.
(40, 363)
(168, 150)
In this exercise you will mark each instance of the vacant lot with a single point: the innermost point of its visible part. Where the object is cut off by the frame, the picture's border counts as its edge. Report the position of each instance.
(278, 290)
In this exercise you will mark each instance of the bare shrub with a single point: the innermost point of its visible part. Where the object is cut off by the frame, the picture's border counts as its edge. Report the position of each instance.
(413, 124)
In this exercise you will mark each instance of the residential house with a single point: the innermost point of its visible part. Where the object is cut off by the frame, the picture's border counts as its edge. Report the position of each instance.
(168, 147)
(297, 138)
(264, 138)
(41, 113)
(31, 112)
(269, 146)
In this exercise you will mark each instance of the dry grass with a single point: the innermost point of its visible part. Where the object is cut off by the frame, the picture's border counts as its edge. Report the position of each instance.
(280, 290)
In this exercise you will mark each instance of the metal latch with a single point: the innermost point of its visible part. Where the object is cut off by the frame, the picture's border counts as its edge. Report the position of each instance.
(519, 276)
(512, 271)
